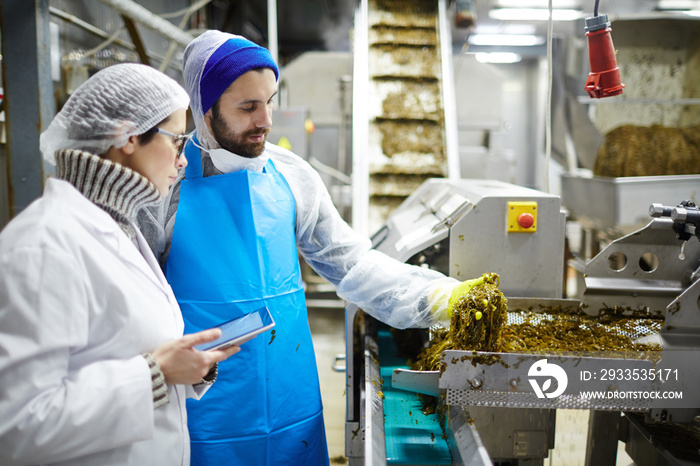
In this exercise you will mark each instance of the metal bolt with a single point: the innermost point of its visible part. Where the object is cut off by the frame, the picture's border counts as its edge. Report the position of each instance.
(513, 383)
(656, 210)
(476, 382)
(679, 214)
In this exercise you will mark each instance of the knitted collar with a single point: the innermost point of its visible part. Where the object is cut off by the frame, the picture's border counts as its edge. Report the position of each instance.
(118, 190)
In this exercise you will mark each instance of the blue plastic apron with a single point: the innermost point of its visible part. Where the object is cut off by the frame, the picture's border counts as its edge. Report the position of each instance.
(233, 251)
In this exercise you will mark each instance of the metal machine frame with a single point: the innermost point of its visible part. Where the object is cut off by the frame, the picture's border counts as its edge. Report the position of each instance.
(461, 228)
(446, 224)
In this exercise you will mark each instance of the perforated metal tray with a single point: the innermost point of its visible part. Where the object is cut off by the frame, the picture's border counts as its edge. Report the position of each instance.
(473, 378)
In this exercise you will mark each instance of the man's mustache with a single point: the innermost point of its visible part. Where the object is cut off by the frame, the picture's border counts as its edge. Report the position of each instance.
(263, 132)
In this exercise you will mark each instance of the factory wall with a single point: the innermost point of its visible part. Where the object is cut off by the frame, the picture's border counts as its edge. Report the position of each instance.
(658, 61)
(498, 117)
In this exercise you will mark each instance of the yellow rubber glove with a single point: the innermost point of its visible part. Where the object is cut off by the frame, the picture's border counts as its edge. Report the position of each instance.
(461, 290)
(444, 297)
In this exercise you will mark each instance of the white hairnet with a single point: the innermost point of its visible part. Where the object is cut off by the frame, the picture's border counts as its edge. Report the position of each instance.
(117, 102)
(193, 64)
(211, 63)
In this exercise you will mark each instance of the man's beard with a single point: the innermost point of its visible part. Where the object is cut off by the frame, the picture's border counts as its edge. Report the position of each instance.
(236, 142)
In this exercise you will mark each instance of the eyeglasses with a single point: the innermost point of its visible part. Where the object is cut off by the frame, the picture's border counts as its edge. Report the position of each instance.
(180, 140)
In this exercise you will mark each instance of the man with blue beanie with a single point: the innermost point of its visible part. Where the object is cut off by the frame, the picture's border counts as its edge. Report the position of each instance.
(245, 209)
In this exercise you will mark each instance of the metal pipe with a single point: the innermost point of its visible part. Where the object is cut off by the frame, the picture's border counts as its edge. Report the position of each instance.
(185, 17)
(135, 35)
(448, 93)
(88, 27)
(104, 44)
(272, 35)
(360, 121)
(345, 83)
(28, 102)
(141, 15)
(272, 29)
(99, 33)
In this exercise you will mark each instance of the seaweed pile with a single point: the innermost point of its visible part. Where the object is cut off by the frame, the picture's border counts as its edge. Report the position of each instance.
(481, 321)
(477, 319)
(556, 331)
(655, 150)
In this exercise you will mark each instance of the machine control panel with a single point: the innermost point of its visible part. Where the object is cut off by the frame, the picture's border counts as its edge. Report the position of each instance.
(522, 217)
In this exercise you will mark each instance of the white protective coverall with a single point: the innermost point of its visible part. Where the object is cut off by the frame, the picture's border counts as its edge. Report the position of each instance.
(401, 295)
(79, 304)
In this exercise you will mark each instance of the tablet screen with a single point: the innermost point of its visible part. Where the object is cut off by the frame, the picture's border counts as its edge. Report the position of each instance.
(243, 327)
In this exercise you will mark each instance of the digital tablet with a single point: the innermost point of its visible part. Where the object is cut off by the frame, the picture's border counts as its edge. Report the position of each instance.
(240, 329)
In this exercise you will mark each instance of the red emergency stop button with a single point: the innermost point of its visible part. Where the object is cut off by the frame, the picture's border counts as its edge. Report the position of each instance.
(521, 217)
(526, 220)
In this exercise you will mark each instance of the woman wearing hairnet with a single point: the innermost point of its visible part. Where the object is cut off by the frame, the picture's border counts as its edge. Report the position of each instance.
(94, 369)
(245, 209)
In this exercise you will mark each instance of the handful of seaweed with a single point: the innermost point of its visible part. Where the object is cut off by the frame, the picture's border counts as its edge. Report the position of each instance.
(477, 319)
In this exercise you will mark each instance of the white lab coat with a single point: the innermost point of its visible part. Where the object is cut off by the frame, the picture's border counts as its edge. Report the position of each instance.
(79, 304)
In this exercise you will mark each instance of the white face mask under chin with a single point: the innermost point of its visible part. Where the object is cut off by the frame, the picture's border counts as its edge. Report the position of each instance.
(228, 162)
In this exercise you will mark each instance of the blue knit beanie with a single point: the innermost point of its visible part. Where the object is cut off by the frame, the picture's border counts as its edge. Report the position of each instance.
(233, 58)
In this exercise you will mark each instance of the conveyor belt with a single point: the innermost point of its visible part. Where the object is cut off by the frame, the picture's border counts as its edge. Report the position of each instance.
(412, 437)
(401, 103)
